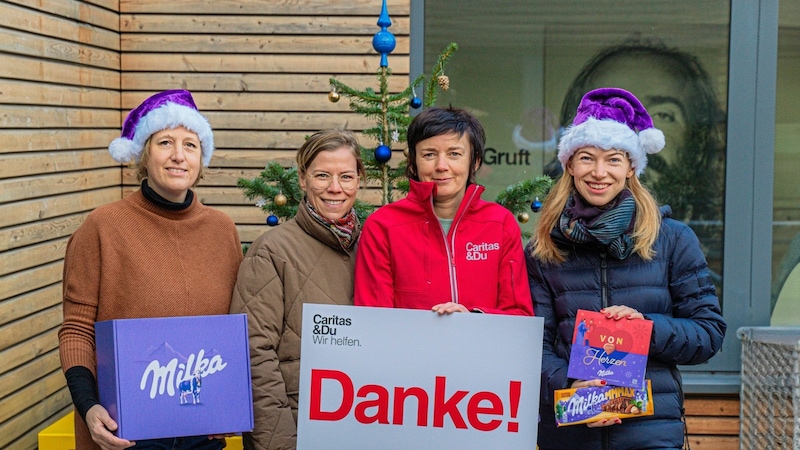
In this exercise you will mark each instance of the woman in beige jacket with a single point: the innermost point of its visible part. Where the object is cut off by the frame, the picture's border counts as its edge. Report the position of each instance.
(307, 259)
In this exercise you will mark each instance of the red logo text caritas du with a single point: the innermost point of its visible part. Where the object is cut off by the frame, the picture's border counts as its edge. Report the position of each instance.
(386, 409)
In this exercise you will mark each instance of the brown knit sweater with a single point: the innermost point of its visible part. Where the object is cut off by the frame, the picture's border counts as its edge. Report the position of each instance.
(133, 259)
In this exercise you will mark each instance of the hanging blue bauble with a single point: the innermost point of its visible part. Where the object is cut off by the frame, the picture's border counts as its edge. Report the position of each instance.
(383, 154)
(272, 220)
(415, 102)
(536, 206)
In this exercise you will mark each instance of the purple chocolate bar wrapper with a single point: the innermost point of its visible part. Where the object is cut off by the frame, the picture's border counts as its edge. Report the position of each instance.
(584, 405)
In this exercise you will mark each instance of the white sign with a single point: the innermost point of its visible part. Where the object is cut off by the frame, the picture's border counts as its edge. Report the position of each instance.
(382, 378)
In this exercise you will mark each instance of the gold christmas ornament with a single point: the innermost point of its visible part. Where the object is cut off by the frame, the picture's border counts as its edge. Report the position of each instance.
(523, 217)
(280, 200)
(444, 82)
(333, 96)
(405, 152)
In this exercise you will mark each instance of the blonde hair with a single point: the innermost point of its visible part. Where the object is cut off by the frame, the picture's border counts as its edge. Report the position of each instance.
(141, 166)
(645, 229)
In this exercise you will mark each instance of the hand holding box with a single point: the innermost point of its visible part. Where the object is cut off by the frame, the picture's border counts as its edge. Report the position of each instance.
(175, 376)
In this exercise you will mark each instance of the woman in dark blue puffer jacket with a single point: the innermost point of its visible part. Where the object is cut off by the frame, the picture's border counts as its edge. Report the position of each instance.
(603, 244)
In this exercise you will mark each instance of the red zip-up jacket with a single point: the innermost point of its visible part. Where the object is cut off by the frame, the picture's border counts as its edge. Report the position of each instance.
(405, 260)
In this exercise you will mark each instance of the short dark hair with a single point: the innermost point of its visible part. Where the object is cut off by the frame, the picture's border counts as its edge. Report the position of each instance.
(439, 121)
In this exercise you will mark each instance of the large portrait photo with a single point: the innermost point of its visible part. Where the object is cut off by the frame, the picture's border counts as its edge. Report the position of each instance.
(525, 66)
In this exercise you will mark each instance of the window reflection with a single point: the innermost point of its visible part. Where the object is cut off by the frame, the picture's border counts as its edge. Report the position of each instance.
(522, 66)
(786, 198)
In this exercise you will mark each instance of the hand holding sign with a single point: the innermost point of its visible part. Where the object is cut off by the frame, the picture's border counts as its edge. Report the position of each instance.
(396, 390)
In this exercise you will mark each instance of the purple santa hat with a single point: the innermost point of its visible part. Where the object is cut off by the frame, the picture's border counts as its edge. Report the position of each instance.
(612, 118)
(162, 111)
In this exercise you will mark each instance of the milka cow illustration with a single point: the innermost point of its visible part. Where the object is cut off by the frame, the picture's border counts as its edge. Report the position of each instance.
(191, 387)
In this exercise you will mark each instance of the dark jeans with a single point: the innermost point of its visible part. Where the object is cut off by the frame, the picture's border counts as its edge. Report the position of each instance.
(181, 443)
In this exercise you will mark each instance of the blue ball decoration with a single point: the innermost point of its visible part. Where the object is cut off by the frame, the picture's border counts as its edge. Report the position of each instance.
(536, 206)
(415, 102)
(272, 220)
(383, 154)
(384, 42)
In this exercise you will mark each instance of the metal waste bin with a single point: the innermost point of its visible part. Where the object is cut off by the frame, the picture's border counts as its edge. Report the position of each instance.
(770, 393)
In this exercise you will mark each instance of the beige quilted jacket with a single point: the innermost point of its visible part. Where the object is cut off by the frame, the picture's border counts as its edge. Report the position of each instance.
(300, 261)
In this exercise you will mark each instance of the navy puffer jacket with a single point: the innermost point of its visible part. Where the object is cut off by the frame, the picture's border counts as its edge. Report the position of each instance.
(674, 290)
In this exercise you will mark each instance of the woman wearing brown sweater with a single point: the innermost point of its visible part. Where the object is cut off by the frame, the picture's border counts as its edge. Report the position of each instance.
(158, 252)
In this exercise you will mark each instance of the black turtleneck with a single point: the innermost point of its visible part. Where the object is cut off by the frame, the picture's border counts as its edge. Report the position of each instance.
(160, 201)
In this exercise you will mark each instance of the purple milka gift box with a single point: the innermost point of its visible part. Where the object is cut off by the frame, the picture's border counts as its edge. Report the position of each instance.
(175, 376)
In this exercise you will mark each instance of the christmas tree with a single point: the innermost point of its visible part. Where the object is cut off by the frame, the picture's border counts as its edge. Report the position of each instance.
(277, 188)
(517, 198)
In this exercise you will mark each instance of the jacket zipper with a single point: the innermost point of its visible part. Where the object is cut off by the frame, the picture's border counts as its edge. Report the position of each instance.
(604, 302)
(450, 259)
(450, 247)
(603, 280)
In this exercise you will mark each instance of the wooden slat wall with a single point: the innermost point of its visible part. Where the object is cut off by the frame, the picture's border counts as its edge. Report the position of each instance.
(259, 71)
(69, 72)
(712, 421)
(59, 108)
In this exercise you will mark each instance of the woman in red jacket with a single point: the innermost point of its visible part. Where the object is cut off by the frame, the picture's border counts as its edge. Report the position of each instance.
(442, 247)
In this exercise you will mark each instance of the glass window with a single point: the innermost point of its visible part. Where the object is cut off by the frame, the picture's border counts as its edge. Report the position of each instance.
(523, 65)
(786, 198)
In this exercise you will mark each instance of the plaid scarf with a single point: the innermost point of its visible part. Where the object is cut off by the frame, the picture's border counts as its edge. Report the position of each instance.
(343, 228)
(609, 226)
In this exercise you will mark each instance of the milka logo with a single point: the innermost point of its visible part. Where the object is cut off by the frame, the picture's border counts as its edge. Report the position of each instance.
(581, 405)
(168, 378)
(478, 252)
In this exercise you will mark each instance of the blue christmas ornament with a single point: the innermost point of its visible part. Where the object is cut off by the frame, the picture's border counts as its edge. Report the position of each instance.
(384, 42)
(536, 206)
(415, 102)
(383, 154)
(272, 220)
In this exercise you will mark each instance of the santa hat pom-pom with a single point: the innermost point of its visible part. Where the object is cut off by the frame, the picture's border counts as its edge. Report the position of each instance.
(123, 150)
(651, 140)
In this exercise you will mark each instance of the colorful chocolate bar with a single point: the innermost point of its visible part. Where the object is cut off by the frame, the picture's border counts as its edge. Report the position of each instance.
(590, 404)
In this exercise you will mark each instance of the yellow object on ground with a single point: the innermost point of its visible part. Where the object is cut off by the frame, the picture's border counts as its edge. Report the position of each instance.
(61, 436)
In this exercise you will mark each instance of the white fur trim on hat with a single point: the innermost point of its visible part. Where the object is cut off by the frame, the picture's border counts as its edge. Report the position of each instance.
(607, 135)
(124, 150)
(165, 117)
